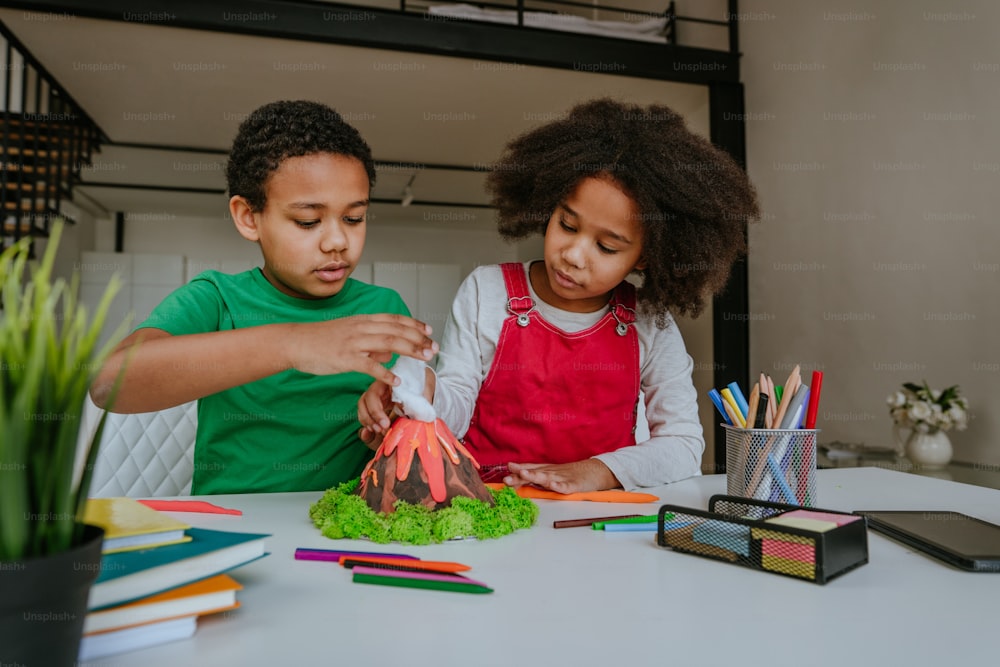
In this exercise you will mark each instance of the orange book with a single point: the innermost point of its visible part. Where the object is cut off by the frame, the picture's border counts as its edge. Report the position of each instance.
(206, 596)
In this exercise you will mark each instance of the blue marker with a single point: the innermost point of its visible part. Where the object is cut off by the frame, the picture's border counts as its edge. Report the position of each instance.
(740, 400)
(643, 527)
(717, 399)
(780, 479)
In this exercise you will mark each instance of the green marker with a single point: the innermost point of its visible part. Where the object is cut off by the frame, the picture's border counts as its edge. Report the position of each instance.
(599, 525)
(428, 583)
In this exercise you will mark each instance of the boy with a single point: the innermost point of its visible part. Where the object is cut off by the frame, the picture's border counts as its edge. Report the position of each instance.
(277, 356)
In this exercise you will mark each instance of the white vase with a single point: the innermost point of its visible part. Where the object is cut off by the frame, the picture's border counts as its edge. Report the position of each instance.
(929, 451)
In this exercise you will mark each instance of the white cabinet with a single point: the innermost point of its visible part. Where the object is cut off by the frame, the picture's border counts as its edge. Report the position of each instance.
(427, 289)
(146, 279)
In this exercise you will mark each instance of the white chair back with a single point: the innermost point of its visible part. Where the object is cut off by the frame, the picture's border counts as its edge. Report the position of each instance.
(145, 454)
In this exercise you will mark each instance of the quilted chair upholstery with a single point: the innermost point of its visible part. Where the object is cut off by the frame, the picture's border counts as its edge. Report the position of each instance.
(145, 454)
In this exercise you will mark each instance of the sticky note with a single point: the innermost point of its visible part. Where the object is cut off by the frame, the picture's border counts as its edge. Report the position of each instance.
(731, 536)
(788, 566)
(683, 540)
(789, 550)
(839, 519)
(764, 534)
(805, 524)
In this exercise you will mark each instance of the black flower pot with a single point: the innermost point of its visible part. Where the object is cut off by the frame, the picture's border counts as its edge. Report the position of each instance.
(43, 602)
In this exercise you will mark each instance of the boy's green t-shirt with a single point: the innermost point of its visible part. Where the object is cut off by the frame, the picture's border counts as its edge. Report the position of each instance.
(291, 431)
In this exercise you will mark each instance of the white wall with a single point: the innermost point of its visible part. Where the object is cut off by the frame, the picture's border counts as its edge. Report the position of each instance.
(873, 140)
(206, 241)
(445, 254)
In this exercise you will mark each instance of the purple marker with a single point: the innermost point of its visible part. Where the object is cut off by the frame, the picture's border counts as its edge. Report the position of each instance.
(336, 554)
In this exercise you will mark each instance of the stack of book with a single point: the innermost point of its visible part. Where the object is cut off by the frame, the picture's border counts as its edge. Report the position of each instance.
(158, 575)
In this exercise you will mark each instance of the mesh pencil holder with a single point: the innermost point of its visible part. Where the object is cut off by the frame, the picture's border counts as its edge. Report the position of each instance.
(811, 544)
(776, 465)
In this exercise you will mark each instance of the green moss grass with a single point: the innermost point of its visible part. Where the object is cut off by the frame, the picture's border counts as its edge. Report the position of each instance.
(342, 514)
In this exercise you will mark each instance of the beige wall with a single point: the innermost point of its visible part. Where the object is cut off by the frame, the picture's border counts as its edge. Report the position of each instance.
(872, 137)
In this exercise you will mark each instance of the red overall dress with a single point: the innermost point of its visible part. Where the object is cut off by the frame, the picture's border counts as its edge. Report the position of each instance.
(553, 396)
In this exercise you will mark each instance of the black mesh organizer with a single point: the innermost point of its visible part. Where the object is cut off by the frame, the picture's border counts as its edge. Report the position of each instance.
(805, 543)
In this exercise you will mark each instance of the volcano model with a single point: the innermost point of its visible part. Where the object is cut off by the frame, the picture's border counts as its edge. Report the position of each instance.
(422, 463)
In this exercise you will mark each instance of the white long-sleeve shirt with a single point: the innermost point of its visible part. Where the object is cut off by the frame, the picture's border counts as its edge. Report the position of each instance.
(468, 345)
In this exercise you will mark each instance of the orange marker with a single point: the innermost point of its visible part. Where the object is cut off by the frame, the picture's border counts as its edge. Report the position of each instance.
(428, 565)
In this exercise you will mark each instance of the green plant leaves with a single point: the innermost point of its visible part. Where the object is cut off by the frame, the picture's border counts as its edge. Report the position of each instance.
(50, 357)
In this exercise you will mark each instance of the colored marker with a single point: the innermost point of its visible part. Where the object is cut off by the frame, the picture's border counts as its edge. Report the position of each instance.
(384, 579)
(575, 523)
(740, 399)
(717, 400)
(817, 384)
(780, 479)
(760, 421)
(428, 565)
(736, 414)
(798, 399)
(603, 525)
(336, 554)
(424, 576)
(631, 528)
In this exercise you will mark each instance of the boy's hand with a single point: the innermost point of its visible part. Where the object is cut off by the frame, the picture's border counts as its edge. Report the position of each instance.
(586, 475)
(361, 343)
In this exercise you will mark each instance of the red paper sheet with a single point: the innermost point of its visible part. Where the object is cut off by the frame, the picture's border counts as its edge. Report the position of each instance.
(189, 506)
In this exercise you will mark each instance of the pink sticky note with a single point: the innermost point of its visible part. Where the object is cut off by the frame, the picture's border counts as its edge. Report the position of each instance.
(790, 550)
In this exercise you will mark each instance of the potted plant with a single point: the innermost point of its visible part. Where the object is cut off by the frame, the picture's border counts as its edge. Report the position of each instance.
(48, 557)
(928, 414)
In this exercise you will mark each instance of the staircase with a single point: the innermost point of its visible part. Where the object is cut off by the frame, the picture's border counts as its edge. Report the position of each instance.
(45, 141)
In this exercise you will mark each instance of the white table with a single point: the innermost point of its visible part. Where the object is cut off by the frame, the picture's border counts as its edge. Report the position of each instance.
(580, 597)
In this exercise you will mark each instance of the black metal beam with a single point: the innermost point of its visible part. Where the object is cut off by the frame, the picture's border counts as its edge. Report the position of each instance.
(730, 325)
(120, 231)
(399, 165)
(422, 33)
(221, 191)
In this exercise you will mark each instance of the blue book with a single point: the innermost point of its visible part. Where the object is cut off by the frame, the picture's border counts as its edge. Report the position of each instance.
(131, 575)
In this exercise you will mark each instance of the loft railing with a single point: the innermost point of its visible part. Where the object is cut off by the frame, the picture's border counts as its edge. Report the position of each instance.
(728, 24)
(45, 140)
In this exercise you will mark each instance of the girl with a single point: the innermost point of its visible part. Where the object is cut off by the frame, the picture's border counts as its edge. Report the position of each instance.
(541, 364)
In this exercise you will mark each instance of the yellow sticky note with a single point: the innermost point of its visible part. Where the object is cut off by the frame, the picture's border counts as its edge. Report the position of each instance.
(814, 525)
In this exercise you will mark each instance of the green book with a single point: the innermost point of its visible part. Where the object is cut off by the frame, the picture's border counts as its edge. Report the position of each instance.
(131, 575)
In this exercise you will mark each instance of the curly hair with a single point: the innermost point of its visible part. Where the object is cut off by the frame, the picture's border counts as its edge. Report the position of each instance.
(280, 130)
(694, 200)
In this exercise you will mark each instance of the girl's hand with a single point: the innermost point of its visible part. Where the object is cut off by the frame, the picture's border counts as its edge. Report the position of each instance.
(374, 407)
(586, 475)
(373, 412)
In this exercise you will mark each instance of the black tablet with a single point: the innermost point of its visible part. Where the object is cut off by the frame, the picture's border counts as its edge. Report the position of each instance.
(958, 539)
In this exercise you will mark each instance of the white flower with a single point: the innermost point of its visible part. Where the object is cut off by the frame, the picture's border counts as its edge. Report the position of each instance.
(920, 411)
(959, 416)
(924, 409)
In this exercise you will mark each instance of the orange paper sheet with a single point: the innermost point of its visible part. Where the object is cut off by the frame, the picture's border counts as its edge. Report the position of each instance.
(611, 496)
